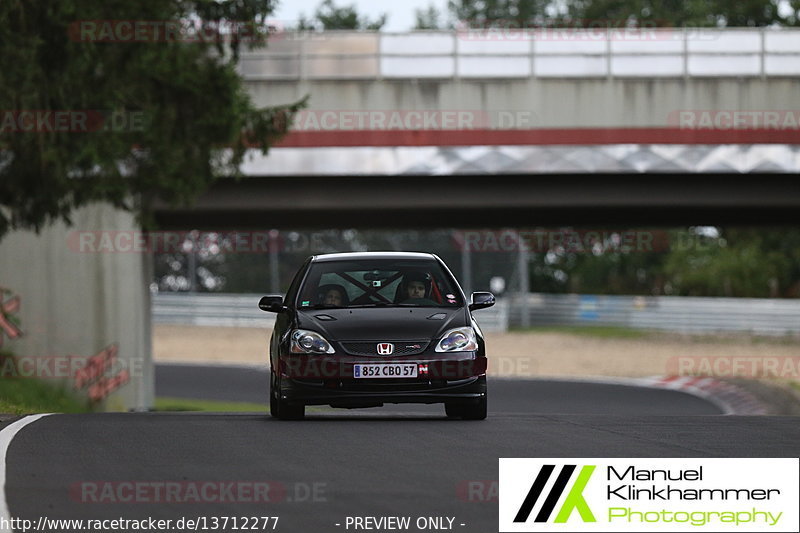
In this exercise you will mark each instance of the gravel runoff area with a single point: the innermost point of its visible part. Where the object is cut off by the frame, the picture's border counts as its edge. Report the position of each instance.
(549, 354)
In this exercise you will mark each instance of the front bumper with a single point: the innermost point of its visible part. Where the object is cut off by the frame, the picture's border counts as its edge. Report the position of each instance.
(319, 380)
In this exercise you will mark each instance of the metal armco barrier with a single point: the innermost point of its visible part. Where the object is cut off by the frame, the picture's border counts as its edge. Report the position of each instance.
(241, 310)
(238, 310)
(670, 313)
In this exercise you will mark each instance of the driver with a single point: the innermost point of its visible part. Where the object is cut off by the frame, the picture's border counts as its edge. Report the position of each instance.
(416, 286)
(415, 289)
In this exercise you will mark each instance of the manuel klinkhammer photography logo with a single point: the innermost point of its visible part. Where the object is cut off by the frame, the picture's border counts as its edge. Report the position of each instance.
(574, 500)
(691, 494)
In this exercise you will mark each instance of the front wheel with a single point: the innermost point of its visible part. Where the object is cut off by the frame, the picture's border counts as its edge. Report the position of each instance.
(279, 408)
(475, 410)
(453, 410)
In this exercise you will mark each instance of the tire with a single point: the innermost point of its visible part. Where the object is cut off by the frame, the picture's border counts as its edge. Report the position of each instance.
(468, 411)
(453, 410)
(280, 409)
(475, 411)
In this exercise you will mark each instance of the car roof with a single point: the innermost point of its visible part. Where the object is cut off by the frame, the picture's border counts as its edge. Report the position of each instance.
(356, 256)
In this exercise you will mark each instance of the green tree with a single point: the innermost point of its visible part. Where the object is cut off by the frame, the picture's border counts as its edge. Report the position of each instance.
(427, 19)
(185, 89)
(520, 13)
(330, 17)
(748, 262)
(678, 12)
(734, 262)
(583, 13)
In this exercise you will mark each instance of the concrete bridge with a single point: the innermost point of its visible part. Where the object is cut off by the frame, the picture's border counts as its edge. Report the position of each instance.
(634, 126)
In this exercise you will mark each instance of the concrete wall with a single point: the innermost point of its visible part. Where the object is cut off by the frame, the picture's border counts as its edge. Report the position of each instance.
(544, 103)
(560, 79)
(80, 303)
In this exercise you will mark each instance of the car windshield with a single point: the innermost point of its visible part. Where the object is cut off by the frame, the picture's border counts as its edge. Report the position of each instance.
(378, 283)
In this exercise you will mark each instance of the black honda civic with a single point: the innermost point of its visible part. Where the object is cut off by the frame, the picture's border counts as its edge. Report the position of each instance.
(364, 329)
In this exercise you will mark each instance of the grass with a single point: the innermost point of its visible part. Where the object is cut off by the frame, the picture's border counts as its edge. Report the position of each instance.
(20, 396)
(213, 406)
(604, 332)
(183, 404)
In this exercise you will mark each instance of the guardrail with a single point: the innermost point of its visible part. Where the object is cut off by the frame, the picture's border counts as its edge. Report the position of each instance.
(527, 53)
(241, 310)
(199, 309)
(670, 313)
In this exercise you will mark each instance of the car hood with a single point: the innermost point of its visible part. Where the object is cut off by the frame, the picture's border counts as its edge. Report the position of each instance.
(382, 324)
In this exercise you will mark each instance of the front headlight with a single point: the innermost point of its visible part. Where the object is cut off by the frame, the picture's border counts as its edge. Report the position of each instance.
(304, 341)
(458, 340)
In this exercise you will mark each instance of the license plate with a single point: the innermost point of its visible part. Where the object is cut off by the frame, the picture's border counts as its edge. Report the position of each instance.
(384, 370)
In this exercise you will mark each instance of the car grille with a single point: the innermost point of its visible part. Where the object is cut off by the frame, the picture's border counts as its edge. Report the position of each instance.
(371, 348)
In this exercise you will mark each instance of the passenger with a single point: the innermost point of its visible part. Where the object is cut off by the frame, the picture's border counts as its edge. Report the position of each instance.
(333, 297)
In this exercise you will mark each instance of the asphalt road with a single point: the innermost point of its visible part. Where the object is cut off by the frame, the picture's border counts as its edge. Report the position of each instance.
(507, 396)
(354, 463)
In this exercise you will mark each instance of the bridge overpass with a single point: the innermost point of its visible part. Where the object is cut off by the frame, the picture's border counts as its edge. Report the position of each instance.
(573, 126)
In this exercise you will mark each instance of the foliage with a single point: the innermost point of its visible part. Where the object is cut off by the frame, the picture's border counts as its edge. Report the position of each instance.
(186, 90)
(740, 262)
(692, 13)
(27, 395)
(481, 13)
(427, 19)
(330, 17)
(627, 13)
(735, 262)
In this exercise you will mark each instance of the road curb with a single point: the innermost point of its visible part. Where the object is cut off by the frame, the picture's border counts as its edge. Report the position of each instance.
(734, 398)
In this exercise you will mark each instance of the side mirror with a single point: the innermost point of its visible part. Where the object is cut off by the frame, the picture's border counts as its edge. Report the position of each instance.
(272, 303)
(481, 300)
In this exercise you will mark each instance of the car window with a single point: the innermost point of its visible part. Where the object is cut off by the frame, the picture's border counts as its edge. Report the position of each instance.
(292, 291)
(379, 283)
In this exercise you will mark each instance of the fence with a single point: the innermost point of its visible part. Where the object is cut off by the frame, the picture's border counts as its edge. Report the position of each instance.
(238, 310)
(526, 53)
(670, 313)
(241, 310)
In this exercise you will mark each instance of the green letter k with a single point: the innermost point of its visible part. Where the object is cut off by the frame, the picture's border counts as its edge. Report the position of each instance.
(575, 498)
